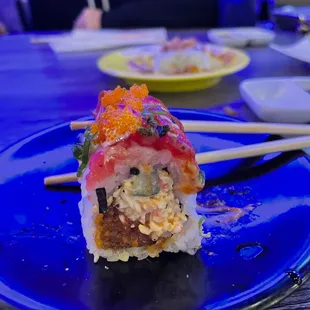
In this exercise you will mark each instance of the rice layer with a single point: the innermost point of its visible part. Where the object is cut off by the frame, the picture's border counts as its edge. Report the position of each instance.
(188, 240)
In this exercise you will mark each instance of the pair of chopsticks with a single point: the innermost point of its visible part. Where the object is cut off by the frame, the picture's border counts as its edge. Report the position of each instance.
(105, 5)
(258, 149)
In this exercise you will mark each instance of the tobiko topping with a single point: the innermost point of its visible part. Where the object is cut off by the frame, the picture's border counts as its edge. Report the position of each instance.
(120, 116)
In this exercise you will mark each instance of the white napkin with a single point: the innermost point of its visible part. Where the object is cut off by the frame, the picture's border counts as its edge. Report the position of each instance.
(90, 40)
(299, 50)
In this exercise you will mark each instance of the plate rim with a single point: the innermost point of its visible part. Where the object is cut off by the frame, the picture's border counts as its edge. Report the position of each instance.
(243, 62)
(287, 50)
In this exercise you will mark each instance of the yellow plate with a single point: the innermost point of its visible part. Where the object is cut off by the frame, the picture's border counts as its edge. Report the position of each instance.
(116, 64)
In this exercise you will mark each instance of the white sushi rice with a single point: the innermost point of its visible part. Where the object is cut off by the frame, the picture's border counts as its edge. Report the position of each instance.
(188, 241)
(179, 61)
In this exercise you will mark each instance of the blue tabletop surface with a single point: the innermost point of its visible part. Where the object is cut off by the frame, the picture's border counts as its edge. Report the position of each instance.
(40, 89)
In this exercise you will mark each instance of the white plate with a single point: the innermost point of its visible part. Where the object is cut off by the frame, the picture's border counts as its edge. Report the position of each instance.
(299, 50)
(241, 37)
(279, 100)
(90, 40)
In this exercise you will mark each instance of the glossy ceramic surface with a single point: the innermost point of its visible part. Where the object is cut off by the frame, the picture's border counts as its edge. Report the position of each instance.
(298, 50)
(241, 37)
(256, 260)
(278, 100)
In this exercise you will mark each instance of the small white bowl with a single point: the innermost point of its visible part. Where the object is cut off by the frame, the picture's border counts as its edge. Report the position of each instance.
(241, 37)
(279, 100)
(299, 50)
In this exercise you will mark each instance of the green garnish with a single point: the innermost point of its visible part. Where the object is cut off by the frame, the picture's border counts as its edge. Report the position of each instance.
(200, 228)
(84, 158)
(78, 151)
(202, 178)
(153, 125)
(151, 121)
(81, 152)
(81, 169)
(146, 132)
(88, 135)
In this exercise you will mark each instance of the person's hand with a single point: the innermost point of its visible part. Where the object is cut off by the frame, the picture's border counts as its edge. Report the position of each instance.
(88, 19)
(3, 29)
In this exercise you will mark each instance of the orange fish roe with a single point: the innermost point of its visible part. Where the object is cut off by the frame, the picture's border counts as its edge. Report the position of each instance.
(139, 91)
(118, 119)
(109, 113)
(135, 103)
(94, 128)
(113, 97)
(116, 123)
(132, 98)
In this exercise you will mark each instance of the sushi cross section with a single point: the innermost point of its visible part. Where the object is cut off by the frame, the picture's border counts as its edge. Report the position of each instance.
(139, 179)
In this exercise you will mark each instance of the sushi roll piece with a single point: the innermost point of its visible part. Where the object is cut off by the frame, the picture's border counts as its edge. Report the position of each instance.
(139, 179)
(181, 56)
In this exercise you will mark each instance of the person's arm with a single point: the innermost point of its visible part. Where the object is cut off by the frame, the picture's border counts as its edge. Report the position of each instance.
(163, 13)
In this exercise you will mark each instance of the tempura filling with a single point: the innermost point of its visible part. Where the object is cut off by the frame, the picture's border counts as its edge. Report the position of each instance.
(141, 212)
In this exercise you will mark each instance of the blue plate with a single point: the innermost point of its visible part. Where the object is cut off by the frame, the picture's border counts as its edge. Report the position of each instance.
(255, 260)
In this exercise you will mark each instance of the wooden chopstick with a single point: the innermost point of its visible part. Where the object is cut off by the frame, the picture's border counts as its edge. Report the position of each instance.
(258, 149)
(229, 127)
(238, 127)
(221, 155)
(77, 125)
(61, 178)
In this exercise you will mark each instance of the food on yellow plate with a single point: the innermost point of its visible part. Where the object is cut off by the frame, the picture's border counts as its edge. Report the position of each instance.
(139, 179)
(180, 57)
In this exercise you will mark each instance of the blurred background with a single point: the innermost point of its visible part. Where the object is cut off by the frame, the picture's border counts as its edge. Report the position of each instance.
(47, 15)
